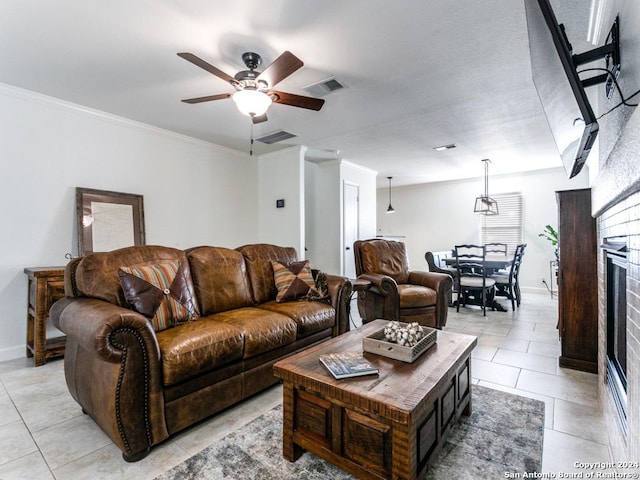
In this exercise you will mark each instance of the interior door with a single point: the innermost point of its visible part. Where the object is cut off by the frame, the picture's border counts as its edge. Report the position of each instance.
(351, 227)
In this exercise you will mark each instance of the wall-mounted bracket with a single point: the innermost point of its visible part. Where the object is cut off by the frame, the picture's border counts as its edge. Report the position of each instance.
(609, 51)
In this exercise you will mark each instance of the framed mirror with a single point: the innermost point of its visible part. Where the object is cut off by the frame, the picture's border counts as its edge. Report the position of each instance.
(108, 220)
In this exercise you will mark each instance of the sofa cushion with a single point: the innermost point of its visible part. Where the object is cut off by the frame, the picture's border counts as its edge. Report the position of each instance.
(162, 292)
(263, 330)
(258, 258)
(96, 275)
(220, 279)
(193, 348)
(310, 317)
(292, 281)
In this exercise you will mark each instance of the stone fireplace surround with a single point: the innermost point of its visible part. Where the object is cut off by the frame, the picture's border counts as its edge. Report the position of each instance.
(616, 205)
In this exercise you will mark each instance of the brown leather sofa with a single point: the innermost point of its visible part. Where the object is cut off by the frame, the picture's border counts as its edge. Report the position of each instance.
(397, 292)
(141, 385)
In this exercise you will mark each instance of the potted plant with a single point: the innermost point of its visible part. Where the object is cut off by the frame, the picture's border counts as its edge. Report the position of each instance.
(552, 235)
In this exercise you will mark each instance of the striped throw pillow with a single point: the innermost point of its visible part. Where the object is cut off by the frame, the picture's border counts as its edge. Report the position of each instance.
(162, 292)
(293, 281)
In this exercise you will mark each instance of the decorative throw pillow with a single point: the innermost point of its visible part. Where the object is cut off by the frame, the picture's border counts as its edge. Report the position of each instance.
(293, 281)
(321, 291)
(163, 292)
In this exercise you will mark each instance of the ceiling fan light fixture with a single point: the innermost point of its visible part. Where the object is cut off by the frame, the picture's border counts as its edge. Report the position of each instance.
(252, 102)
(253, 94)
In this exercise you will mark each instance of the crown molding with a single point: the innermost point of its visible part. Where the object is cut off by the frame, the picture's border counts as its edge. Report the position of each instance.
(64, 105)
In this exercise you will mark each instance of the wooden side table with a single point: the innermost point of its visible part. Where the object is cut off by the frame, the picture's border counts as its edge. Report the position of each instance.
(46, 285)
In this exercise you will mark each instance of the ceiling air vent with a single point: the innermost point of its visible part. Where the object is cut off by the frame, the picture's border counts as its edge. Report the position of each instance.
(323, 87)
(276, 137)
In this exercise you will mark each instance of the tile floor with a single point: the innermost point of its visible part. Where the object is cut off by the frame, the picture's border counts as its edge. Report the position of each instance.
(44, 435)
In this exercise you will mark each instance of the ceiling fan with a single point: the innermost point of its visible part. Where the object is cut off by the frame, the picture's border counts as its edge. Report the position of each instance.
(254, 90)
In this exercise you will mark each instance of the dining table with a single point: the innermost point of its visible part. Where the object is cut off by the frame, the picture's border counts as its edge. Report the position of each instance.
(492, 264)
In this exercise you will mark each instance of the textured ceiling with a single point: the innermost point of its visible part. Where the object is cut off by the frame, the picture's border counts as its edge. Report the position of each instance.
(417, 74)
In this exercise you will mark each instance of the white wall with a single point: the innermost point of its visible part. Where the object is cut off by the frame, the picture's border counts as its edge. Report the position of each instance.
(324, 214)
(322, 217)
(194, 192)
(310, 230)
(282, 177)
(436, 216)
(619, 129)
(366, 179)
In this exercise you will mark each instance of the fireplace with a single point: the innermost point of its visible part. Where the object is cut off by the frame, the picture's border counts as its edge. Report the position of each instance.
(619, 324)
(615, 254)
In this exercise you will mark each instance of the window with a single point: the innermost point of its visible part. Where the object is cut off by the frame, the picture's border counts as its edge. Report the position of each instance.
(507, 226)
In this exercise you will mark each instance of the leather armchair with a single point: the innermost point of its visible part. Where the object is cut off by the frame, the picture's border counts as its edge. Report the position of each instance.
(396, 292)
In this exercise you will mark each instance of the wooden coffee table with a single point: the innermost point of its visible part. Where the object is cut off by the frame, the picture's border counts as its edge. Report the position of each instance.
(382, 426)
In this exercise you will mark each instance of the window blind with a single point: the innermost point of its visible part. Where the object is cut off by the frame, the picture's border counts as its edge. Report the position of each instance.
(507, 227)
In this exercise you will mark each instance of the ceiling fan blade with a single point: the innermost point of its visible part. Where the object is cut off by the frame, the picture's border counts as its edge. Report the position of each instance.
(190, 57)
(208, 98)
(259, 119)
(297, 100)
(280, 68)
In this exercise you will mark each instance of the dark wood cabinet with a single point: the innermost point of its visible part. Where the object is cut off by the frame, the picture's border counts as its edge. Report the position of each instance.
(577, 281)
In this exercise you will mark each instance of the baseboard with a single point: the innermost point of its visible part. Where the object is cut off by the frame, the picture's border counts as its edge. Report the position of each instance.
(539, 291)
(12, 353)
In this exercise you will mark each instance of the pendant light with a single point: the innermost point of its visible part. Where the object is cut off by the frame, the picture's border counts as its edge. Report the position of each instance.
(390, 209)
(485, 205)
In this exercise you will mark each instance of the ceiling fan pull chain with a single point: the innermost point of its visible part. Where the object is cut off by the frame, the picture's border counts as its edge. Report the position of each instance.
(251, 144)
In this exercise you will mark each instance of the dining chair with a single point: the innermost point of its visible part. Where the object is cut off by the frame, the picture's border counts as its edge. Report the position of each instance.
(496, 248)
(507, 283)
(472, 276)
(517, 273)
(436, 264)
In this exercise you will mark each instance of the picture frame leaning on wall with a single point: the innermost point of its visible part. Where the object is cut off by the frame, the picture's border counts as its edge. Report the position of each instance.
(108, 220)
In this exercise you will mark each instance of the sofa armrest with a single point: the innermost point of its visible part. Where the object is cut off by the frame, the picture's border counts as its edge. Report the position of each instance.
(381, 284)
(380, 300)
(113, 370)
(93, 324)
(340, 289)
(442, 283)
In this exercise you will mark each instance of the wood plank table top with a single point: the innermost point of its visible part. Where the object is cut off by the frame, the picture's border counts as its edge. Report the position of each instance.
(493, 262)
(398, 388)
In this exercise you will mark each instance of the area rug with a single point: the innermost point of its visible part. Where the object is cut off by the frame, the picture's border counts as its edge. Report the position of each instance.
(502, 435)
